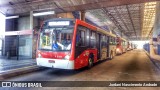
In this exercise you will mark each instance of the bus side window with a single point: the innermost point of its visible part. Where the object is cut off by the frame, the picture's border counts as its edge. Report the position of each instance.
(114, 41)
(93, 39)
(87, 37)
(80, 37)
(83, 38)
(103, 42)
(107, 40)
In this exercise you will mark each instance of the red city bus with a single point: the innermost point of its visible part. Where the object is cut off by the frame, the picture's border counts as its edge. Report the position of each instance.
(121, 45)
(73, 44)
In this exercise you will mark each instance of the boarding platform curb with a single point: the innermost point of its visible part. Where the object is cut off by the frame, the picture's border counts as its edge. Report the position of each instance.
(156, 63)
(146, 53)
(19, 71)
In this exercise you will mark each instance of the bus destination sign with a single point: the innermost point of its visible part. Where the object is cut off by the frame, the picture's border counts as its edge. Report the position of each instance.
(59, 23)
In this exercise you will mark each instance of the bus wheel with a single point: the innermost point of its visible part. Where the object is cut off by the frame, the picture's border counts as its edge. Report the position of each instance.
(90, 62)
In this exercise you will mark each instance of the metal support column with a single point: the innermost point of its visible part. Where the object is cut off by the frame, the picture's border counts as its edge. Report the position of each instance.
(31, 20)
(82, 15)
(31, 28)
(17, 47)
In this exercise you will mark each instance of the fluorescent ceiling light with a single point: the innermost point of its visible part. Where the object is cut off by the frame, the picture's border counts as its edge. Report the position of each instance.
(43, 13)
(148, 18)
(11, 17)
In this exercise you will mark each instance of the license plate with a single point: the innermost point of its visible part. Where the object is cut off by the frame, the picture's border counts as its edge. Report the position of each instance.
(51, 61)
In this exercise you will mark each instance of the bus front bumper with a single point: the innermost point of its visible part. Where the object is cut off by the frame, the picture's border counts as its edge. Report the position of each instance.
(55, 63)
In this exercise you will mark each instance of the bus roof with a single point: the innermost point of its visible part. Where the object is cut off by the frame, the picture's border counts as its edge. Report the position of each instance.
(61, 19)
(87, 24)
(106, 32)
(96, 28)
(123, 39)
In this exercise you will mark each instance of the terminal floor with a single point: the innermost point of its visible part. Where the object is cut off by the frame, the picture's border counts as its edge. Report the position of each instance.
(134, 65)
(13, 63)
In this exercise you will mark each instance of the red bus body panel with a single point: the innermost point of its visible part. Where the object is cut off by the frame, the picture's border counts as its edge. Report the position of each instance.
(82, 59)
(54, 55)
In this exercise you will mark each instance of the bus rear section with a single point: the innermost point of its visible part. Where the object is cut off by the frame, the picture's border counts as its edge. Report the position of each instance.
(119, 48)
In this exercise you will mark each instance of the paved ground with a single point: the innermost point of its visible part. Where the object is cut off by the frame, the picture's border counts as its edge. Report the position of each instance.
(131, 66)
(9, 64)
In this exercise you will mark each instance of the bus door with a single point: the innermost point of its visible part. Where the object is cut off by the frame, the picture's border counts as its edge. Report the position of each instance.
(99, 45)
(107, 42)
(103, 47)
(0, 46)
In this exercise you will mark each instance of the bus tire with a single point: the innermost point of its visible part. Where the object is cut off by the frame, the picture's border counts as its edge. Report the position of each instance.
(90, 62)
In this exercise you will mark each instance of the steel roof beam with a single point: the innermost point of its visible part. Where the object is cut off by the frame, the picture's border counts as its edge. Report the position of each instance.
(121, 18)
(140, 20)
(107, 3)
(114, 21)
(131, 20)
(81, 7)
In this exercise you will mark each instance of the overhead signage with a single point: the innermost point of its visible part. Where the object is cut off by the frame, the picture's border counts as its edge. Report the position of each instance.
(23, 32)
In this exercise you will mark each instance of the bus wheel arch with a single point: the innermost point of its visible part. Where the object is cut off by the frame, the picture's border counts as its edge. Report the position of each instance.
(90, 60)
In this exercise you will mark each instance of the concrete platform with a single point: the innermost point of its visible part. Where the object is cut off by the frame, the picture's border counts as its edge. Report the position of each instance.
(12, 67)
(8, 64)
(18, 71)
(154, 61)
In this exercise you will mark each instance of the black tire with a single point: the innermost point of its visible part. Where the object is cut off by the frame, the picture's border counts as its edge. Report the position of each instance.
(90, 62)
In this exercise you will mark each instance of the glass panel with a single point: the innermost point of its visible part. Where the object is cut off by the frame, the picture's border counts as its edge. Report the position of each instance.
(56, 39)
(25, 47)
(0, 46)
(93, 39)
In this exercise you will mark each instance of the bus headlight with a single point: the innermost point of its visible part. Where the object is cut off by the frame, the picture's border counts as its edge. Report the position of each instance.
(117, 49)
(67, 57)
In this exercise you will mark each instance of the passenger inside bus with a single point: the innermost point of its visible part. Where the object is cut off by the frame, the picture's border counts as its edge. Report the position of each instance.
(69, 42)
(55, 45)
(63, 42)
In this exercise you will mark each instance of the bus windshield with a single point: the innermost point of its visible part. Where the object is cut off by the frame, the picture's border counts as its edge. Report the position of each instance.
(56, 38)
